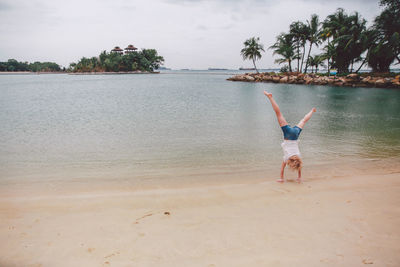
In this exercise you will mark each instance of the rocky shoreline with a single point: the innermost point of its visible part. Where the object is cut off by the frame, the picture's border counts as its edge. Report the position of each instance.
(351, 80)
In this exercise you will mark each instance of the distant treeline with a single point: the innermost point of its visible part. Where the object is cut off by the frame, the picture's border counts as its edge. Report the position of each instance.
(145, 60)
(14, 65)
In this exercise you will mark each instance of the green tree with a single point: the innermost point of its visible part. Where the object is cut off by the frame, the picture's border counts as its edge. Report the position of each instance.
(326, 33)
(354, 39)
(348, 38)
(386, 30)
(328, 54)
(102, 58)
(112, 63)
(14, 65)
(367, 40)
(313, 36)
(316, 61)
(87, 64)
(252, 50)
(145, 60)
(284, 46)
(299, 31)
(153, 58)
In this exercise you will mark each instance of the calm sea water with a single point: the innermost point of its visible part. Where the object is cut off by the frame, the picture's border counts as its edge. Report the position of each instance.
(160, 126)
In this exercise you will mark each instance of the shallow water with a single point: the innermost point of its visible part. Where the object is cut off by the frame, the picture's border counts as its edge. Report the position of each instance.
(161, 126)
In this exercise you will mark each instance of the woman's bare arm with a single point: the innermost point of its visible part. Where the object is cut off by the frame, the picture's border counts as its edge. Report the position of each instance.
(282, 171)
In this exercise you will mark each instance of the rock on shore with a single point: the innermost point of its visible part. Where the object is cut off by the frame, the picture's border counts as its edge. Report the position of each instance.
(351, 80)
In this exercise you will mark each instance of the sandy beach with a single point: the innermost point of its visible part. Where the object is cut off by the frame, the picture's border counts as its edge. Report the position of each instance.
(351, 220)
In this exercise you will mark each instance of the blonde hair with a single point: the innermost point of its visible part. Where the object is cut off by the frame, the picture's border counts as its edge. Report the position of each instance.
(294, 163)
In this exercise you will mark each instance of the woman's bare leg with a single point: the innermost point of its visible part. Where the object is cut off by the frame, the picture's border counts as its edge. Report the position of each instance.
(279, 116)
(306, 118)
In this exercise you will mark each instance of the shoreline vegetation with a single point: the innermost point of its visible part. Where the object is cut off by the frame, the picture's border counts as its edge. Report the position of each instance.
(117, 61)
(14, 66)
(77, 73)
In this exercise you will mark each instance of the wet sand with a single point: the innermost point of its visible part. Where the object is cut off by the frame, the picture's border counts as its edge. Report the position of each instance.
(350, 220)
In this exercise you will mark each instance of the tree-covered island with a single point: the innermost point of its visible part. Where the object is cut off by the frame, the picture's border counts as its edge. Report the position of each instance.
(13, 65)
(118, 60)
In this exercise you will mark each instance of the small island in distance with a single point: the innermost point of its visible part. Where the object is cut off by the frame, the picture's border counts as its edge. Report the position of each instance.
(118, 60)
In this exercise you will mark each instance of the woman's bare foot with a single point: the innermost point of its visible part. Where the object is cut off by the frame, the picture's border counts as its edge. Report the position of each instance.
(269, 95)
(280, 180)
(299, 180)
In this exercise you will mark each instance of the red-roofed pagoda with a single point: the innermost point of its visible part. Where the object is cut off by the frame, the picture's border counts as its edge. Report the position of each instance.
(117, 50)
(130, 49)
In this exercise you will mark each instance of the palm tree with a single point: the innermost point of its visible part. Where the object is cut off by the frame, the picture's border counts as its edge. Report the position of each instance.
(386, 47)
(313, 35)
(329, 54)
(326, 33)
(347, 33)
(368, 41)
(285, 48)
(252, 50)
(354, 38)
(337, 25)
(299, 31)
(316, 61)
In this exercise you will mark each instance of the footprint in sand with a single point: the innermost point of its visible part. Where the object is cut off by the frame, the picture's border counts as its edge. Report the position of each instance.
(141, 218)
(90, 250)
(148, 215)
(367, 261)
(282, 191)
(112, 254)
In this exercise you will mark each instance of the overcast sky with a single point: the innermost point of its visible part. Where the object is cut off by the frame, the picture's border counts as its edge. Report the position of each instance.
(193, 34)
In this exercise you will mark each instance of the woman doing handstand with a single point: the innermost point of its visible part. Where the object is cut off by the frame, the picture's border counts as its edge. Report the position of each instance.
(290, 144)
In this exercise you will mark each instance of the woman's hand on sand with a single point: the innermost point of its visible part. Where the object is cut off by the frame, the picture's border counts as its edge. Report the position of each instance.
(267, 94)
